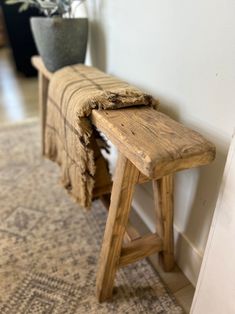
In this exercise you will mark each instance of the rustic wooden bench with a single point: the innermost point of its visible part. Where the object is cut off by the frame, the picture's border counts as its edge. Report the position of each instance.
(152, 147)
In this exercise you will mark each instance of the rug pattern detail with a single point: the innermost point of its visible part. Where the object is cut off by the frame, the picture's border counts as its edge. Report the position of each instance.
(49, 247)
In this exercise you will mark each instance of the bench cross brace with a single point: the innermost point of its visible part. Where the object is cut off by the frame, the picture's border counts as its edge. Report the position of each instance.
(114, 252)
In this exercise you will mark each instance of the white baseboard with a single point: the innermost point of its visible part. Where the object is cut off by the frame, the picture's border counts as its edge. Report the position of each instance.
(187, 256)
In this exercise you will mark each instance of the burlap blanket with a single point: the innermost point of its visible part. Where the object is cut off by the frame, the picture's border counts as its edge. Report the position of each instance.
(70, 138)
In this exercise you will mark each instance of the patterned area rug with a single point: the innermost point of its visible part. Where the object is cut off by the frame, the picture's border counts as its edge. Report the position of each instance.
(49, 247)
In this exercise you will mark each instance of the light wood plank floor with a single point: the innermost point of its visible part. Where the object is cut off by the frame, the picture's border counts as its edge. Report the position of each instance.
(19, 101)
(18, 95)
(176, 281)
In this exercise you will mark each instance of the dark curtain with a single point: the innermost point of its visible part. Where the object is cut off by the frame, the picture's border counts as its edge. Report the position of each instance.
(20, 37)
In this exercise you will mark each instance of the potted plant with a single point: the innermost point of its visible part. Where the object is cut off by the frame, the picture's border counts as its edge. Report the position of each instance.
(61, 39)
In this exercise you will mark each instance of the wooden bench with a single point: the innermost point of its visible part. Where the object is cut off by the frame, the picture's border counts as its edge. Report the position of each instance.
(152, 147)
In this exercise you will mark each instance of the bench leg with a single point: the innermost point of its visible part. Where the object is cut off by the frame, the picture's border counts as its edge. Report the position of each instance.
(164, 198)
(43, 91)
(126, 176)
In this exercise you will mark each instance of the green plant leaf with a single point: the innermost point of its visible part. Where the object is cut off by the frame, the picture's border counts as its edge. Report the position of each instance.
(14, 1)
(24, 7)
(48, 7)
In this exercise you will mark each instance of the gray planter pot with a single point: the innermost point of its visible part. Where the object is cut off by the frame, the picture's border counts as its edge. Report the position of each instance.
(60, 41)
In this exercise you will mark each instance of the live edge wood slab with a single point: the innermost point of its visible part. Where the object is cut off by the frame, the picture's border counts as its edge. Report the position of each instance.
(152, 147)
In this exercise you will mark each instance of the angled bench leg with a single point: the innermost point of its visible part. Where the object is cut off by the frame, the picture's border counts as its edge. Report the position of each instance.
(126, 175)
(43, 91)
(164, 198)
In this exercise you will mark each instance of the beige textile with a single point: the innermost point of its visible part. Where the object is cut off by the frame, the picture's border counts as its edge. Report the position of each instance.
(74, 92)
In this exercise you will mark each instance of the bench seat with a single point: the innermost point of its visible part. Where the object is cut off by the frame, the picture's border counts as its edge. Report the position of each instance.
(156, 144)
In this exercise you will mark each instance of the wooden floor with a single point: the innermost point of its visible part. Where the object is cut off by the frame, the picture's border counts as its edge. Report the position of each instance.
(18, 95)
(18, 101)
(176, 281)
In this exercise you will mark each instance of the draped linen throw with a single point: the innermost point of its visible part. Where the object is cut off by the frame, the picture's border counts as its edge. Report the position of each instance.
(70, 138)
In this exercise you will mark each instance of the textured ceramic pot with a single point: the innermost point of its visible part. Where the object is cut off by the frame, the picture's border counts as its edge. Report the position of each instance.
(60, 41)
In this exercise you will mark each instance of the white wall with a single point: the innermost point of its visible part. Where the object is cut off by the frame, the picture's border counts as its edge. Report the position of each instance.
(219, 258)
(183, 52)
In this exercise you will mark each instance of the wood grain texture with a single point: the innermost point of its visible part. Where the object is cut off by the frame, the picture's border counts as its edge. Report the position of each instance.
(102, 190)
(140, 248)
(158, 209)
(165, 212)
(156, 144)
(39, 65)
(43, 84)
(131, 233)
(126, 176)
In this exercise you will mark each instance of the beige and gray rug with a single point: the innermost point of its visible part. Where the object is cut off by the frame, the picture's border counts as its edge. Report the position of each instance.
(49, 247)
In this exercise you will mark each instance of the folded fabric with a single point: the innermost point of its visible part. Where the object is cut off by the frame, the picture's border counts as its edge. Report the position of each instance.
(70, 138)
